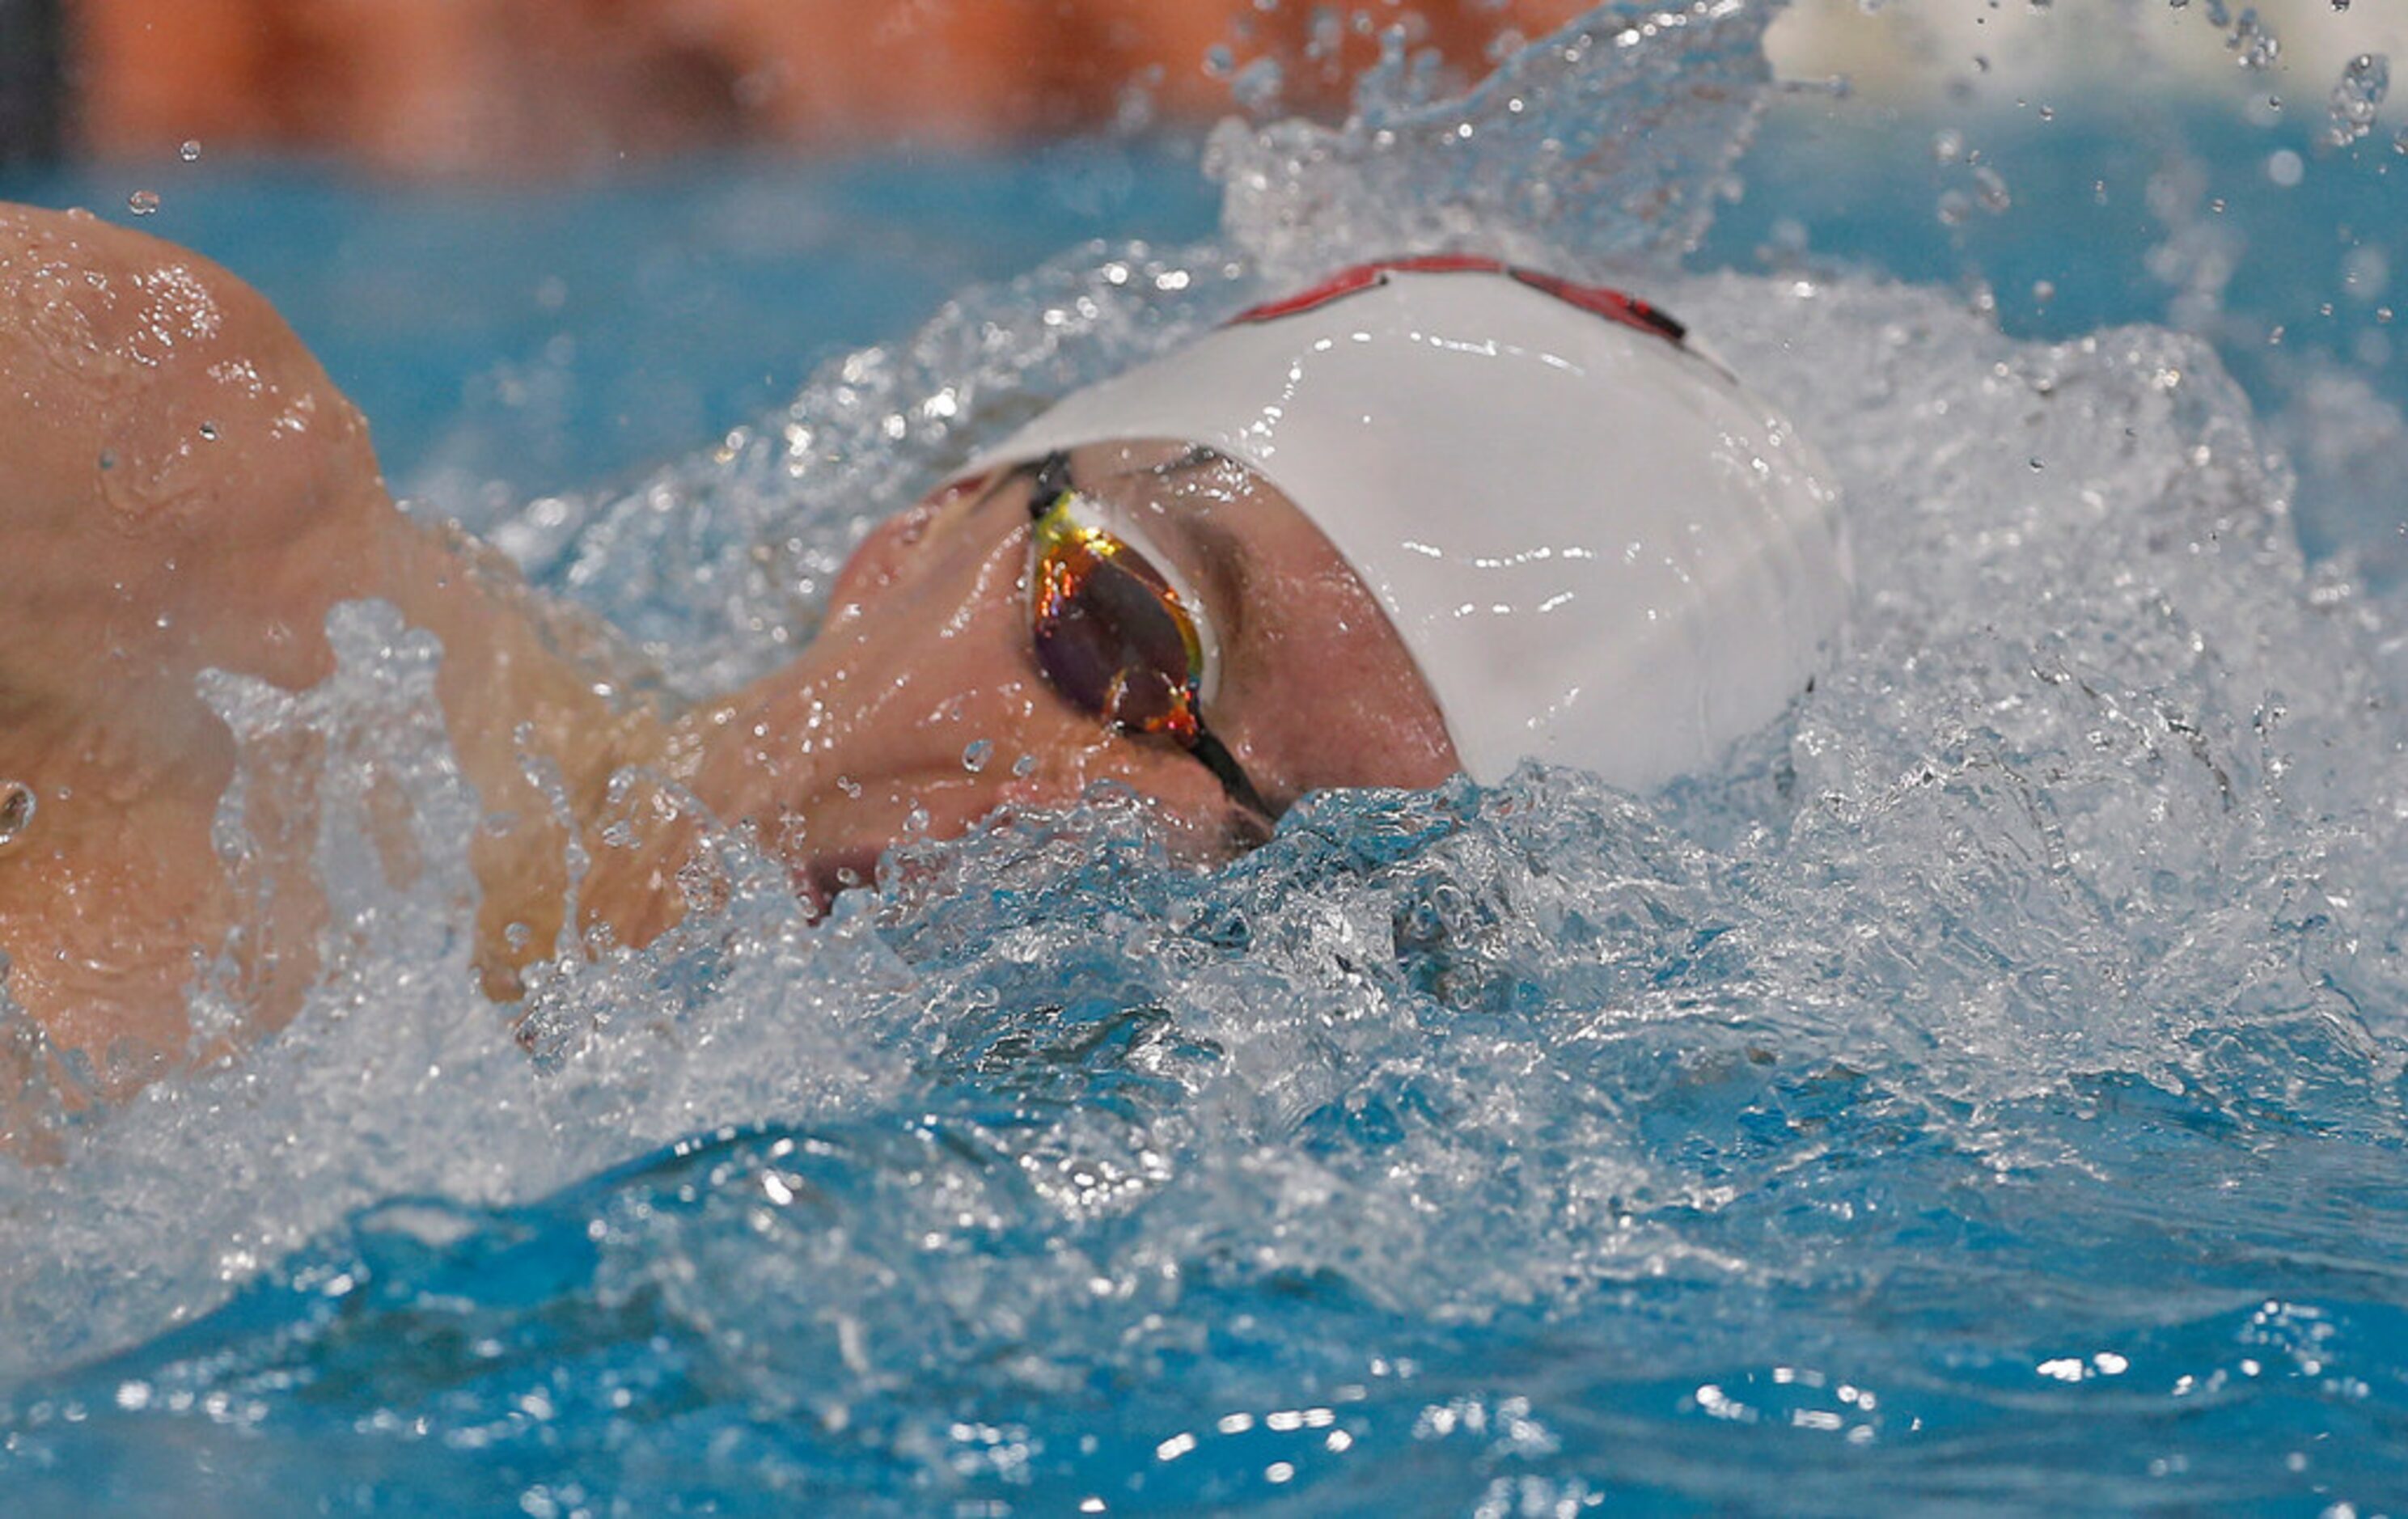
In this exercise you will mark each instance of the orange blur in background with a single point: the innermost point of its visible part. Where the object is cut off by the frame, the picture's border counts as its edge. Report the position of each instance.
(512, 86)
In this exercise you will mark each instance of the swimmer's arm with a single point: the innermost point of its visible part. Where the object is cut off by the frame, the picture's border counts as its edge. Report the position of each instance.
(182, 488)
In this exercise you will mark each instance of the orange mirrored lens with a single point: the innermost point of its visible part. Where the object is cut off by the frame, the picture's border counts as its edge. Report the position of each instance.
(1110, 634)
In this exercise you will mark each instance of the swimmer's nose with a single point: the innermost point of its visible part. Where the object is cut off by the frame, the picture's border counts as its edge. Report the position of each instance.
(885, 553)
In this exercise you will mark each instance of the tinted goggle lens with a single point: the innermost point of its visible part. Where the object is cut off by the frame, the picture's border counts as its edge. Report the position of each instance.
(1110, 633)
(1113, 634)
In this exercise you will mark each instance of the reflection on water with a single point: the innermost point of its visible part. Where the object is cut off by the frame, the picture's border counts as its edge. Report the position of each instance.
(1986, 1090)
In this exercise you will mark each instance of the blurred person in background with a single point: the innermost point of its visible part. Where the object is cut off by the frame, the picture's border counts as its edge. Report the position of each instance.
(32, 104)
(464, 86)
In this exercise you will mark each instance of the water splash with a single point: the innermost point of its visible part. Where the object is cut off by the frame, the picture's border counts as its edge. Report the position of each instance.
(1541, 1142)
(2356, 97)
(1601, 142)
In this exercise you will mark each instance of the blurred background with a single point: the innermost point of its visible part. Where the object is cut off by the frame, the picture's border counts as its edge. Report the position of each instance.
(504, 88)
(550, 243)
(509, 87)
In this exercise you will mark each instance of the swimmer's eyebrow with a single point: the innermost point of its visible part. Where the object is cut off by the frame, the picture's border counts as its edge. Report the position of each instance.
(1199, 457)
(1208, 543)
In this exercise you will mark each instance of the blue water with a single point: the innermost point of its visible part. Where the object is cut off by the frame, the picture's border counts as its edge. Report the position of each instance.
(1987, 1093)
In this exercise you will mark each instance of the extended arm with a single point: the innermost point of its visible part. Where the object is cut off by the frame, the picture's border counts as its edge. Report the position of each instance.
(181, 487)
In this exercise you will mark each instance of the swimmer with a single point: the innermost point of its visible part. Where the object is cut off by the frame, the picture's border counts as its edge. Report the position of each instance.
(1434, 515)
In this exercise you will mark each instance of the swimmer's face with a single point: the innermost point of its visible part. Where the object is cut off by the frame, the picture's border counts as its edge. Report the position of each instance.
(923, 705)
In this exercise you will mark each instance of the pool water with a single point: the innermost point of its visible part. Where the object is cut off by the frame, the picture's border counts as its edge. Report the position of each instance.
(1984, 1094)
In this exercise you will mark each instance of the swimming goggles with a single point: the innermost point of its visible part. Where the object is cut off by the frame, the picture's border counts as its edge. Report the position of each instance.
(1113, 634)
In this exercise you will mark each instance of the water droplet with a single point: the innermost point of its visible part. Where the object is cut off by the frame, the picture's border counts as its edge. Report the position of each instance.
(1993, 188)
(16, 813)
(975, 756)
(191, 150)
(2258, 47)
(1256, 88)
(210, 431)
(2356, 97)
(1025, 766)
(142, 202)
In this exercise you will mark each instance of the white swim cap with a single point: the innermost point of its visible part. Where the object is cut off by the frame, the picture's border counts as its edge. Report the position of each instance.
(1600, 550)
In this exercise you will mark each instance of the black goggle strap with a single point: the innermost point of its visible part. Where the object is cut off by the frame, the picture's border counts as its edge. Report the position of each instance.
(1223, 766)
(1048, 483)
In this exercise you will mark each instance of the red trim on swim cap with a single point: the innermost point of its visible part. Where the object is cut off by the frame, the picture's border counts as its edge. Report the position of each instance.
(1613, 305)
(1597, 300)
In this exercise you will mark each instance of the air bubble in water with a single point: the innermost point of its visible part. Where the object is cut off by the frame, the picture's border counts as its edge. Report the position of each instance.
(974, 757)
(191, 151)
(142, 202)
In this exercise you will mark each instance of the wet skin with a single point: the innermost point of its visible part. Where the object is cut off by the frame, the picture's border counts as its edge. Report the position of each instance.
(181, 488)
